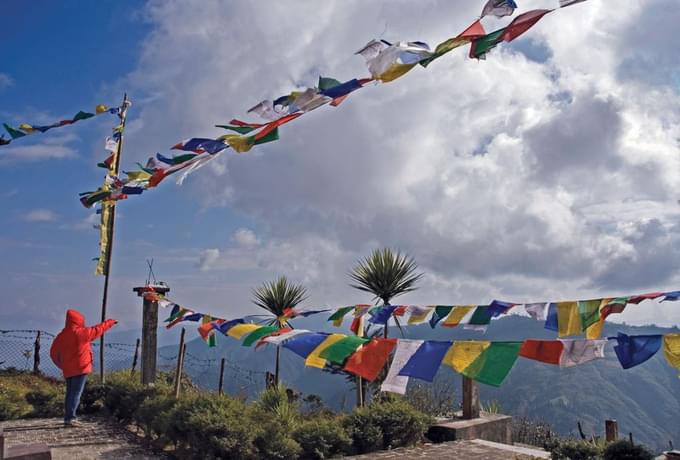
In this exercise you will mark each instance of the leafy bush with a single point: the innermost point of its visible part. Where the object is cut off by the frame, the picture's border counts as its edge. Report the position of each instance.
(322, 438)
(386, 423)
(625, 450)
(46, 403)
(281, 403)
(10, 410)
(92, 399)
(437, 399)
(155, 418)
(274, 441)
(213, 427)
(572, 449)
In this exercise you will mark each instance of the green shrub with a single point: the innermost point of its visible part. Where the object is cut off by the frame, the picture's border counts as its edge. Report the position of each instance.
(322, 438)
(10, 410)
(46, 403)
(281, 403)
(625, 450)
(213, 427)
(92, 399)
(572, 449)
(155, 417)
(273, 441)
(386, 424)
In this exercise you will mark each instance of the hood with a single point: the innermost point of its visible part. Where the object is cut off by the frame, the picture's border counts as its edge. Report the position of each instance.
(74, 318)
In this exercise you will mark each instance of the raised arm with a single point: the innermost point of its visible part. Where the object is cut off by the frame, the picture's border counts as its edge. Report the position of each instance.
(94, 332)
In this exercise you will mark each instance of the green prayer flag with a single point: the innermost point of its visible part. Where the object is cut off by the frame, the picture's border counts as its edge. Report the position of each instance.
(494, 364)
(270, 137)
(326, 83)
(589, 311)
(484, 44)
(14, 133)
(82, 116)
(238, 129)
(480, 317)
(212, 342)
(342, 349)
(257, 334)
(340, 313)
(182, 158)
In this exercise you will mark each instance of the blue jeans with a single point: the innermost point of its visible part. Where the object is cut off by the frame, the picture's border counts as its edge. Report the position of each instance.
(74, 389)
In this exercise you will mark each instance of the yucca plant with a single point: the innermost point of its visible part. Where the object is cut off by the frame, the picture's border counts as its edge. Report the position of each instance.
(275, 297)
(386, 274)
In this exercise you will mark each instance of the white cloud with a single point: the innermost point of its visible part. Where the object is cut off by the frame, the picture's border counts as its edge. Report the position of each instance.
(207, 259)
(521, 176)
(5, 81)
(246, 238)
(40, 215)
(52, 147)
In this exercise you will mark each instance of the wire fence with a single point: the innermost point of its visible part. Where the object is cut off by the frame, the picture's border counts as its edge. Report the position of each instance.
(29, 350)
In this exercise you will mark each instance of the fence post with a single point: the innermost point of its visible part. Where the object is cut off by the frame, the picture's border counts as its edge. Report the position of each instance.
(220, 386)
(180, 362)
(470, 399)
(36, 354)
(611, 430)
(134, 358)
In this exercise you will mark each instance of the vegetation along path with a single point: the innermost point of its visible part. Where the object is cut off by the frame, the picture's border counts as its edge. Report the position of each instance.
(96, 438)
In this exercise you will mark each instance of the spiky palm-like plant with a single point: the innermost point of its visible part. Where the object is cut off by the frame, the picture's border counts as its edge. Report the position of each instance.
(275, 297)
(386, 274)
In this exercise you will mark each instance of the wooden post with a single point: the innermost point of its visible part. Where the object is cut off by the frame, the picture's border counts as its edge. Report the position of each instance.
(611, 430)
(36, 354)
(112, 221)
(180, 362)
(220, 386)
(134, 358)
(149, 329)
(470, 399)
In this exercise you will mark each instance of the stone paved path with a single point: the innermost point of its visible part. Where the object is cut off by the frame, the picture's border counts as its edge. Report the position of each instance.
(97, 438)
(459, 450)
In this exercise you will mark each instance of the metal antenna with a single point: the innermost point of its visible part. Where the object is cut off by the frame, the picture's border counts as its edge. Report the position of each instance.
(151, 273)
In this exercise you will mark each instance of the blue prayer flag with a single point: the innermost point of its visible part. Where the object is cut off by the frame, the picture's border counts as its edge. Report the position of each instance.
(425, 362)
(383, 314)
(551, 321)
(305, 344)
(636, 349)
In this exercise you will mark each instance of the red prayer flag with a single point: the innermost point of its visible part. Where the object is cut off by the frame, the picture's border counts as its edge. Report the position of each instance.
(269, 127)
(474, 30)
(371, 358)
(546, 351)
(636, 299)
(522, 23)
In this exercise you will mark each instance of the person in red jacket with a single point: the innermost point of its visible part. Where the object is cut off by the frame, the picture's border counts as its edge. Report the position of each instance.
(72, 353)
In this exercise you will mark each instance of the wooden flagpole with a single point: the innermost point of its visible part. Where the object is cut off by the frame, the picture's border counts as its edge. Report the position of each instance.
(116, 164)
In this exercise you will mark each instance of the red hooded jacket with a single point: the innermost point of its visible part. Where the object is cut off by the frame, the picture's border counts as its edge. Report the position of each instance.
(71, 350)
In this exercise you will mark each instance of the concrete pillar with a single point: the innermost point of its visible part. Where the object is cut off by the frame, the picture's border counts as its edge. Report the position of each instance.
(149, 329)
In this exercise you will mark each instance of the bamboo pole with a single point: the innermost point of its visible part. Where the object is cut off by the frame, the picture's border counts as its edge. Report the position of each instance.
(109, 249)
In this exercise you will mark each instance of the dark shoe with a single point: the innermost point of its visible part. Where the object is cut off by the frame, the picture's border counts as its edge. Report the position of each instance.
(72, 424)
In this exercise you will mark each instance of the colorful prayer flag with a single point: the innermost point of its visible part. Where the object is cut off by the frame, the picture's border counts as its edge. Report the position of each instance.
(314, 359)
(394, 382)
(671, 349)
(339, 351)
(369, 360)
(499, 8)
(636, 349)
(425, 362)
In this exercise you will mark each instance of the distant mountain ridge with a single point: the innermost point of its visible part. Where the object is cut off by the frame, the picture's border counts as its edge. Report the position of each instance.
(645, 400)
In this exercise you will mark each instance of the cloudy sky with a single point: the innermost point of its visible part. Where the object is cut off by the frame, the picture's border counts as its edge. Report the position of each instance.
(549, 171)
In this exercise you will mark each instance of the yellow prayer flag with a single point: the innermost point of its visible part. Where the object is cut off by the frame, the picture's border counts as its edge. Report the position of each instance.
(594, 330)
(457, 313)
(395, 71)
(104, 239)
(418, 314)
(240, 144)
(25, 127)
(463, 353)
(314, 359)
(568, 319)
(138, 175)
(240, 330)
(101, 108)
(671, 349)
